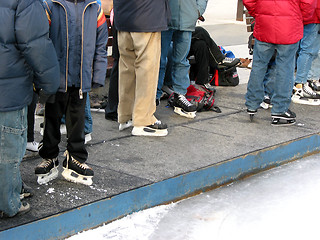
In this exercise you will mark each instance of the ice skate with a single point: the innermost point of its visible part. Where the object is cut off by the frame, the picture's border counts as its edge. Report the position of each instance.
(183, 107)
(251, 114)
(304, 94)
(76, 172)
(266, 103)
(315, 85)
(157, 129)
(287, 118)
(123, 126)
(47, 170)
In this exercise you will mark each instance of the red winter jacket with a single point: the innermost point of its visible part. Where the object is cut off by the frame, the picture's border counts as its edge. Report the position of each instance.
(316, 16)
(279, 21)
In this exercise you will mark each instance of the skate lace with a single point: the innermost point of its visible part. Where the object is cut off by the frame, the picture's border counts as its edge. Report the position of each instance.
(76, 162)
(46, 162)
(308, 90)
(184, 101)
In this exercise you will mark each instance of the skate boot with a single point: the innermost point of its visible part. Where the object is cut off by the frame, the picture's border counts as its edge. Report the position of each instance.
(284, 119)
(158, 129)
(315, 85)
(251, 114)
(76, 172)
(47, 170)
(183, 107)
(266, 103)
(304, 94)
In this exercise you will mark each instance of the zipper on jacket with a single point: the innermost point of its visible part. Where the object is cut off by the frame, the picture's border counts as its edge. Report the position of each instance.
(67, 58)
(81, 62)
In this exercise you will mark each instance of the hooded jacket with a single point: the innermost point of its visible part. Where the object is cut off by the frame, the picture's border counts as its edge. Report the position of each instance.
(26, 54)
(185, 13)
(279, 21)
(315, 17)
(94, 36)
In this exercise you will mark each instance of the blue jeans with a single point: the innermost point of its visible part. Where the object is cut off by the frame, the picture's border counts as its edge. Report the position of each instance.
(180, 64)
(308, 50)
(13, 140)
(314, 73)
(281, 85)
(88, 117)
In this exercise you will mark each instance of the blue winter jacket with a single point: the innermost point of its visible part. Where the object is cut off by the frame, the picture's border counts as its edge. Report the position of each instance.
(93, 62)
(26, 54)
(141, 15)
(184, 13)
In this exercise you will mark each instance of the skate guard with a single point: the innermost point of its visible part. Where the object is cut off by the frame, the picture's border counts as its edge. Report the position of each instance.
(304, 100)
(75, 177)
(183, 113)
(45, 178)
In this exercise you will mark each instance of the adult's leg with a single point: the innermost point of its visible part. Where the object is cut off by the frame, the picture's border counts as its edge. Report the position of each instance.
(13, 140)
(31, 111)
(166, 37)
(255, 90)
(181, 66)
(147, 50)
(127, 77)
(88, 118)
(309, 48)
(285, 64)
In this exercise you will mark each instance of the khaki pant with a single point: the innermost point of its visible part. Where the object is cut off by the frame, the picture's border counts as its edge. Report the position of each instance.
(138, 76)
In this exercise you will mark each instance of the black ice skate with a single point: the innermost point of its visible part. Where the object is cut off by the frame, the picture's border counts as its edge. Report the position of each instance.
(287, 118)
(76, 172)
(251, 114)
(183, 107)
(47, 170)
(304, 94)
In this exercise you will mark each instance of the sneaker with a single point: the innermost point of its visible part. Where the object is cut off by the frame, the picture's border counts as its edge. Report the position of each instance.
(25, 191)
(47, 170)
(230, 62)
(209, 87)
(266, 103)
(123, 126)
(183, 107)
(76, 172)
(157, 129)
(33, 146)
(87, 138)
(24, 208)
(288, 115)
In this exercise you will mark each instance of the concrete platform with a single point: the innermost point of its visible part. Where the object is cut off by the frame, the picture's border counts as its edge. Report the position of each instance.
(134, 173)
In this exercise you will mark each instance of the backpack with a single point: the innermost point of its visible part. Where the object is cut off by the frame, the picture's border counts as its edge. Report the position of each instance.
(225, 77)
(202, 98)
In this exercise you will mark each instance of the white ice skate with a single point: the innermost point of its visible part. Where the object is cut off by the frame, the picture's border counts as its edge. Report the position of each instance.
(76, 172)
(305, 95)
(183, 107)
(183, 113)
(47, 170)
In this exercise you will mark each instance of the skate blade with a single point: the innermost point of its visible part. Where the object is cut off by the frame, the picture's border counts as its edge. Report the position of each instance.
(184, 114)
(74, 177)
(306, 101)
(282, 122)
(45, 178)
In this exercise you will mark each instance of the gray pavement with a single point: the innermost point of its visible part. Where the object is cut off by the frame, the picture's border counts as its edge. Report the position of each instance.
(125, 164)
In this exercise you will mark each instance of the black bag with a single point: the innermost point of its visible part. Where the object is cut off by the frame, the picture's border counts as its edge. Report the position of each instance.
(225, 77)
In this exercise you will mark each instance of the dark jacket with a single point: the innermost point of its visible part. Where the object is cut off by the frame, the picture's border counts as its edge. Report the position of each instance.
(26, 54)
(141, 15)
(93, 62)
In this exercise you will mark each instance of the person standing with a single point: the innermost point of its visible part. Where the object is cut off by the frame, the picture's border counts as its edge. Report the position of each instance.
(27, 57)
(79, 33)
(139, 24)
(309, 47)
(278, 29)
(184, 16)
